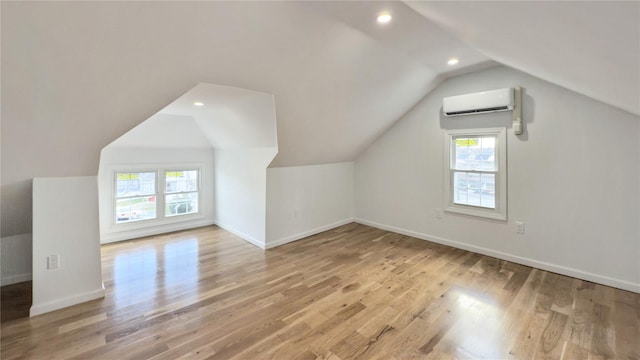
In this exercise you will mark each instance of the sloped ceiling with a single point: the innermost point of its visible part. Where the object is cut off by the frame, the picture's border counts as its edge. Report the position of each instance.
(591, 47)
(101, 68)
(229, 117)
(78, 75)
(345, 92)
(164, 131)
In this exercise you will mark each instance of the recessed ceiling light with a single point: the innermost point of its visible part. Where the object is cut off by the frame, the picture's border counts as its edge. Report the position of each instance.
(452, 61)
(384, 17)
(198, 103)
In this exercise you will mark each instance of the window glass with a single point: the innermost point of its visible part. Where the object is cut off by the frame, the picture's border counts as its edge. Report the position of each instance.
(139, 195)
(181, 181)
(181, 188)
(475, 183)
(135, 196)
(180, 204)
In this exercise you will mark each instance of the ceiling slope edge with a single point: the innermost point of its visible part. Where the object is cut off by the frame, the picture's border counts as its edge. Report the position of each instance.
(572, 45)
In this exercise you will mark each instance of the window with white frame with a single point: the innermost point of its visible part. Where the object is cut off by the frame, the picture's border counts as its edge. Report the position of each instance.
(181, 192)
(137, 194)
(475, 173)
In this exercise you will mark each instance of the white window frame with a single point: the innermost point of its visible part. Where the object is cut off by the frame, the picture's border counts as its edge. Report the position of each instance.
(160, 218)
(500, 210)
(115, 197)
(163, 174)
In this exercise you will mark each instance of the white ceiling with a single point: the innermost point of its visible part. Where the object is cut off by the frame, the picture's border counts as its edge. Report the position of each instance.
(88, 72)
(350, 78)
(591, 47)
(164, 131)
(335, 72)
(230, 117)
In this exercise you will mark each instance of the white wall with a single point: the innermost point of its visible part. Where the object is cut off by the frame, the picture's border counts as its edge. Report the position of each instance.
(306, 200)
(65, 223)
(15, 259)
(123, 158)
(69, 91)
(572, 178)
(241, 191)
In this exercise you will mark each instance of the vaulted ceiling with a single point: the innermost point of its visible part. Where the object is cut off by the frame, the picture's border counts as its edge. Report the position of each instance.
(91, 71)
(348, 78)
(591, 47)
(78, 75)
(225, 118)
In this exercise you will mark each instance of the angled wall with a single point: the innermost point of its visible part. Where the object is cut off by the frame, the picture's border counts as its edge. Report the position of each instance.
(241, 192)
(306, 200)
(572, 178)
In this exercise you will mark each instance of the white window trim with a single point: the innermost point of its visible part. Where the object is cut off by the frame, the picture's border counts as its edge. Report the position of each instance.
(160, 218)
(162, 173)
(115, 198)
(500, 210)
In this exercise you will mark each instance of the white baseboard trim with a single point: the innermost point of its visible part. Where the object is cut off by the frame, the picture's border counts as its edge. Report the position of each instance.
(304, 234)
(156, 230)
(241, 235)
(15, 279)
(37, 309)
(584, 275)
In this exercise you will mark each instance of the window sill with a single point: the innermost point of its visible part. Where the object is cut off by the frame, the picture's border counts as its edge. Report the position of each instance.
(150, 223)
(477, 211)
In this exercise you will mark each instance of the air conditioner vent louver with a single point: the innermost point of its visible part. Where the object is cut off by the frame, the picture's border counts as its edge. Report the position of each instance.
(479, 103)
(478, 111)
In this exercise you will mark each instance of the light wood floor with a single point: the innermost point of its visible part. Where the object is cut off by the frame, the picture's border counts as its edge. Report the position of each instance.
(354, 292)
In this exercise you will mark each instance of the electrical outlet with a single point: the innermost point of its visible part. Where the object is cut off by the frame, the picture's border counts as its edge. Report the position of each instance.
(519, 227)
(438, 213)
(296, 212)
(53, 262)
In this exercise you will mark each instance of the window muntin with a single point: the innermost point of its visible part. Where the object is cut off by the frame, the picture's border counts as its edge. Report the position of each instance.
(158, 194)
(135, 198)
(474, 168)
(181, 192)
(475, 175)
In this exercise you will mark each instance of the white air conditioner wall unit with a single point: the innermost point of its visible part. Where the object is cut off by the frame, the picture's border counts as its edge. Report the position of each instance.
(479, 103)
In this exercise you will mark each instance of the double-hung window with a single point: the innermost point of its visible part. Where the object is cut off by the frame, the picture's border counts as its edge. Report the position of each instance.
(181, 192)
(135, 196)
(155, 194)
(475, 172)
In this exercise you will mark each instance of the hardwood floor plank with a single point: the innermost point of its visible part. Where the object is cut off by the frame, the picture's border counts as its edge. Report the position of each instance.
(354, 292)
(551, 344)
(82, 323)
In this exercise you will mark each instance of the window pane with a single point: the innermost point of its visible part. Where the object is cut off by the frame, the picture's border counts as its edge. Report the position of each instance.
(475, 153)
(488, 191)
(135, 183)
(181, 181)
(460, 187)
(135, 209)
(464, 153)
(180, 204)
(474, 185)
(474, 189)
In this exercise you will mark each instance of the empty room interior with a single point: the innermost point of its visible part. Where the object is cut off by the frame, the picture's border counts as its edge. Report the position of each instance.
(320, 180)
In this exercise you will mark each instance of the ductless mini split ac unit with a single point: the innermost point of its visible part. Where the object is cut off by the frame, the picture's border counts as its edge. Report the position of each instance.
(486, 102)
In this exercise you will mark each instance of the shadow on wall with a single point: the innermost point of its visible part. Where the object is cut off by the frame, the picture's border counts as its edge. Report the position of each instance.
(16, 208)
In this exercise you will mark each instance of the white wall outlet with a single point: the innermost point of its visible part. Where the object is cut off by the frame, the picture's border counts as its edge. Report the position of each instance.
(438, 213)
(296, 212)
(519, 227)
(53, 262)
